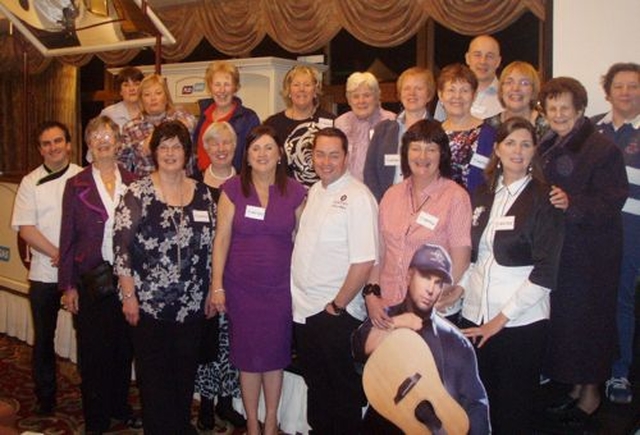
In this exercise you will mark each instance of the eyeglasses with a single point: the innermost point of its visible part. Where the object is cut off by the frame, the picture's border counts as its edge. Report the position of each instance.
(521, 82)
(164, 148)
(101, 137)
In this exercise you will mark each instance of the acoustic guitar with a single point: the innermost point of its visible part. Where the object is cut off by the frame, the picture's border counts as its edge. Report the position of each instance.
(402, 383)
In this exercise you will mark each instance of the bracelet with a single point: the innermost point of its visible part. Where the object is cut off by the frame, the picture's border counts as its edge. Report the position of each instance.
(338, 310)
(218, 290)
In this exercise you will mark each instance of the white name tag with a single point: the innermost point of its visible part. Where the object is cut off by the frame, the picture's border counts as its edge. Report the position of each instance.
(479, 161)
(200, 216)
(392, 159)
(324, 123)
(505, 223)
(253, 212)
(632, 206)
(427, 220)
(633, 175)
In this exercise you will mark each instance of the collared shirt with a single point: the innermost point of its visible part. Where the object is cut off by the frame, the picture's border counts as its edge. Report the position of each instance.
(359, 133)
(442, 217)
(485, 105)
(135, 132)
(338, 228)
(110, 206)
(491, 288)
(627, 137)
(39, 203)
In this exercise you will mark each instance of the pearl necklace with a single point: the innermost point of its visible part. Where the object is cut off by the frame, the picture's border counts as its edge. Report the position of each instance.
(213, 174)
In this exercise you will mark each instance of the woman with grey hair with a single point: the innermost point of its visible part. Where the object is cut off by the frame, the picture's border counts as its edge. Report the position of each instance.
(363, 96)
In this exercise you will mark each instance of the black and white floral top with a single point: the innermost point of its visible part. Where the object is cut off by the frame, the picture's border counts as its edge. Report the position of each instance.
(171, 278)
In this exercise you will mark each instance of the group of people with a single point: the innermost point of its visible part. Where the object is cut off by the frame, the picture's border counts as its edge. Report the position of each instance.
(207, 251)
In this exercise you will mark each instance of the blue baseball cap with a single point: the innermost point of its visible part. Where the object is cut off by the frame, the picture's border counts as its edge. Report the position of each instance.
(433, 258)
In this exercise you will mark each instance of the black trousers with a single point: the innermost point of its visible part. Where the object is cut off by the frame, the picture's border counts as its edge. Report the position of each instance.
(44, 299)
(334, 396)
(104, 357)
(166, 359)
(510, 364)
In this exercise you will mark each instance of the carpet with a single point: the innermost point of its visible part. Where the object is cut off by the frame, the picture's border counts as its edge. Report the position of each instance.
(16, 391)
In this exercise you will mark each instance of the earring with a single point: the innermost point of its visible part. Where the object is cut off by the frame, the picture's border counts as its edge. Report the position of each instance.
(529, 169)
(499, 165)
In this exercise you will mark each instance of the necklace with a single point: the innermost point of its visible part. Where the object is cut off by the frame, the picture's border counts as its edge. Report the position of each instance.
(178, 227)
(232, 172)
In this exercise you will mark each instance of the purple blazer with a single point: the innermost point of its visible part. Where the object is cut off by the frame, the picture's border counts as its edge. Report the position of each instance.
(82, 229)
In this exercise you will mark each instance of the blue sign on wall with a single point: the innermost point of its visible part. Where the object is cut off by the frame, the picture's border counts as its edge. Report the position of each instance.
(5, 253)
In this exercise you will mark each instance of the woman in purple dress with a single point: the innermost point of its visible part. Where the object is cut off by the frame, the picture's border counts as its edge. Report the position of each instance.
(257, 214)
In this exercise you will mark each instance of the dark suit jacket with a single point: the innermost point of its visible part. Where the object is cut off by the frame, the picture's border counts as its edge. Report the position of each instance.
(81, 233)
(536, 238)
(385, 140)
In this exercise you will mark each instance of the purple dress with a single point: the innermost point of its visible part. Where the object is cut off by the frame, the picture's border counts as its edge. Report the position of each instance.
(256, 277)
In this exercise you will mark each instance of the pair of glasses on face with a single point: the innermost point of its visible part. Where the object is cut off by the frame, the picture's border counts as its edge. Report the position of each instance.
(522, 82)
(102, 138)
(164, 148)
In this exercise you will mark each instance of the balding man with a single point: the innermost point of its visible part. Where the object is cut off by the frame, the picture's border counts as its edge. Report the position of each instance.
(483, 58)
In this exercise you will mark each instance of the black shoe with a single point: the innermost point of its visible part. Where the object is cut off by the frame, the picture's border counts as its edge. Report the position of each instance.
(225, 411)
(561, 406)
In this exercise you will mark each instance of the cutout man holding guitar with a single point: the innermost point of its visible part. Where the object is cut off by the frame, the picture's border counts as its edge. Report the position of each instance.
(421, 375)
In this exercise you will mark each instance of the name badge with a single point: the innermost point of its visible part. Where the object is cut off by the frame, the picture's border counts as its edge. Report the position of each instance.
(633, 174)
(427, 220)
(392, 159)
(200, 216)
(479, 161)
(253, 212)
(505, 223)
(324, 123)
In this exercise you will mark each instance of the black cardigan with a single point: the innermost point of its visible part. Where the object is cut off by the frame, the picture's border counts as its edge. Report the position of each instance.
(536, 238)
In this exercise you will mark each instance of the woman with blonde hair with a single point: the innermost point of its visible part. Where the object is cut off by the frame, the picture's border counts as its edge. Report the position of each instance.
(157, 107)
(297, 125)
(518, 94)
(222, 80)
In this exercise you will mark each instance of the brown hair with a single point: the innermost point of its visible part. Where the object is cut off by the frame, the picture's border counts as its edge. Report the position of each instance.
(427, 131)
(564, 85)
(305, 70)
(492, 172)
(457, 72)
(281, 168)
(607, 79)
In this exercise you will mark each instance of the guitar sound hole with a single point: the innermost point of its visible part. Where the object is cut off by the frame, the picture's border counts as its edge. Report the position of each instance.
(426, 414)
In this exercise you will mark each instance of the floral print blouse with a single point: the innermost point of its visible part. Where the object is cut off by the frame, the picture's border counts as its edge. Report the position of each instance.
(167, 250)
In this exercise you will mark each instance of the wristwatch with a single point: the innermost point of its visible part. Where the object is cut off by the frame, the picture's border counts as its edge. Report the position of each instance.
(338, 310)
(371, 289)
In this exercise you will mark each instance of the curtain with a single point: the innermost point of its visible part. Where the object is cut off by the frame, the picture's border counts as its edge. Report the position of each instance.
(52, 95)
(235, 27)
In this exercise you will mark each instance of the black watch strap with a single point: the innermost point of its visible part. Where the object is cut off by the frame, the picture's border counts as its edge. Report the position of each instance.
(371, 289)
(338, 310)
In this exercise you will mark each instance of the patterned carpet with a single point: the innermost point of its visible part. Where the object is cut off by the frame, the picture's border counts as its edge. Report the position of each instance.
(16, 391)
